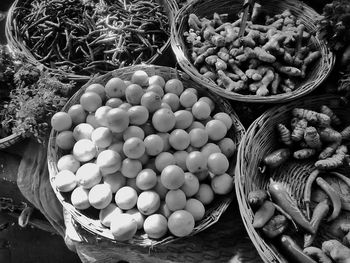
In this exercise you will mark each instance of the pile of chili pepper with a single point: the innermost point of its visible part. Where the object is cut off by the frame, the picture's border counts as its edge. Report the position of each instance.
(89, 36)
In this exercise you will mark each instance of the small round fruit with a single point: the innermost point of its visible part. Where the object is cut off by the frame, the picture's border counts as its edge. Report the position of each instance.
(160, 188)
(198, 137)
(115, 88)
(179, 139)
(114, 102)
(77, 114)
(140, 77)
(88, 175)
(155, 226)
(209, 101)
(146, 179)
(100, 196)
(175, 200)
(133, 131)
(188, 98)
(184, 119)
(90, 101)
(123, 227)
(216, 130)
(115, 181)
(133, 94)
(151, 100)
(134, 148)
(61, 121)
(180, 159)
(201, 110)
(210, 148)
(65, 181)
(174, 86)
(227, 146)
(137, 216)
(148, 202)
(164, 210)
(138, 115)
(117, 120)
(181, 223)
(131, 167)
(222, 184)
(172, 100)
(202, 175)
(101, 115)
(165, 139)
(218, 163)
(65, 140)
(107, 214)
(156, 80)
(82, 131)
(163, 160)
(108, 161)
(163, 120)
(165, 105)
(98, 89)
(91, 119)
(156, 88)
(80, 198)
(102, 137)
(154, 144)
(126, 197)
(125, 106)
(148, 128)
(196, 208)
(194, 125)
(225, 118)
(191, 185)
(172, 177)
(84, 150)
(117, 147)
(196, 162)
(205, 194)
(68, 162)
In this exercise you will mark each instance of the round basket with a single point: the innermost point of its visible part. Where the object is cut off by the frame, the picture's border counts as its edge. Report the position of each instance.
(202, 8)
(10, 140)
(213, 212)
(260, 140)
(14, 36)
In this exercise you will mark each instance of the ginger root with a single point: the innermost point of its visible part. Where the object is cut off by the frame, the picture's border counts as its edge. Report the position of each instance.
(337, 251)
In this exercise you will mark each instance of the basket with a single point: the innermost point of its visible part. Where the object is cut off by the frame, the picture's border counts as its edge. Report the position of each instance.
(202, 8)
(93, 226)
(16, 43)
(260, 140)
(10, 140)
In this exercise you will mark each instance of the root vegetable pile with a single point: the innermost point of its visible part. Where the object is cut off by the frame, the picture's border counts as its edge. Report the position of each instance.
(149, 154)
(92, 36)
(271, 58)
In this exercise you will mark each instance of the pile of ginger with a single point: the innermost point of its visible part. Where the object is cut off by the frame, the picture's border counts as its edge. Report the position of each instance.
(269, 59)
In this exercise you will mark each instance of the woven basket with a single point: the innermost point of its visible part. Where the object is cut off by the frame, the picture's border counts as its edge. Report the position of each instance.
(204, 8)
(10, 140)
(93, 225)
(260, 140)
(16, 43)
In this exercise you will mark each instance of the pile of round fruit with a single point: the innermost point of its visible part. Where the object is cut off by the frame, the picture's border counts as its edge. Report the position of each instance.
(147, 153)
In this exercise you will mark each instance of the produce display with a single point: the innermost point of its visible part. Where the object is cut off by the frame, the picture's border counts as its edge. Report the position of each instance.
(272, 57)
(149, 154)
(92, 36)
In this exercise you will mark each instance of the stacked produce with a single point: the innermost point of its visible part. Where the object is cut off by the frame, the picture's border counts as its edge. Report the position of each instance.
(92, 36)
(148, 154)
(272, 57)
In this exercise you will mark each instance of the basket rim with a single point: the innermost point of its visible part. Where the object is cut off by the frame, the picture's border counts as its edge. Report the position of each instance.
(96, 228)
(11, 139)
(266, 252)
(15, 44)
(326, 62)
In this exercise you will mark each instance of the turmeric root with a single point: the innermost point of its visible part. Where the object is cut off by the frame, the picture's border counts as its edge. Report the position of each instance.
(318, 254)
(228, 83)
(337, 251)
(220, 64)
(312, 116)
(210, 51)
(329, 112)
(262, 91)
(275, 83)
(345, 227)
(261, 86)
(298, 131)
(288, 70)
(308, 60)
(327, 134)
(211, 60)
(312, 138)
(237, 70)
(253, 74)
(258, 53)
(284, 134)
(304, 153)
(345, 133)
(329, 150)
(335, 161)
(277, 157)
(194, 22)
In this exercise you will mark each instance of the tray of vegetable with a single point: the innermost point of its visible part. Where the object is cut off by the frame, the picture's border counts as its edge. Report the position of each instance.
(279, 57)
(292, 181)
(142, 155)
(79, 38)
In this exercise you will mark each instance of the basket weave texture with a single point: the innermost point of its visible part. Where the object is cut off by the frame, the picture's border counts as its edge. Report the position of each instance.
(10, 140)
(213, 212)
(15, 40)
(260, 140)
(203, 8)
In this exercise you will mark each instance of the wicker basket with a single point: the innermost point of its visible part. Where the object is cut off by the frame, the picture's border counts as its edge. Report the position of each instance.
(10, 140)
(16, 43)
(204, 8)
(92, 225)
(260, 140)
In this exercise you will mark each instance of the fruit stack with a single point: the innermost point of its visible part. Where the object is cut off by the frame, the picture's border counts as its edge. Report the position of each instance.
(146, 153)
